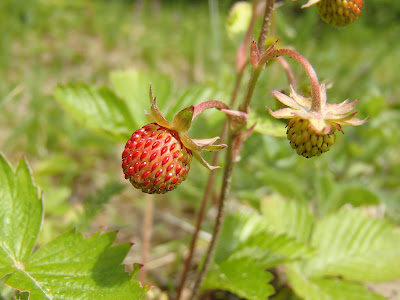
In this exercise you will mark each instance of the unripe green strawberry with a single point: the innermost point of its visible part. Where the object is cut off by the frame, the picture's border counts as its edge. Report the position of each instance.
(155, 160)
(339, 12)
(306, 141)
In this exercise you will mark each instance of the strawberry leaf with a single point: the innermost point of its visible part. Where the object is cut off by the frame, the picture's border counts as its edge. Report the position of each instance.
(20, 215)
(241, 276)
(69, 267)
(244, 251)
(133, 87)
(356, 247)
(99, 110)
(327, 288)
(293, 218)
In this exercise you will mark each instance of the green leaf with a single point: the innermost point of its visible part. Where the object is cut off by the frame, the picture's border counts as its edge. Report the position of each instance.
(356, 195)
(94, 203)
(288, 216)
(99, 110)
(283, 182)
(133, 87)
(245, 250)
(196, 95)
(20, 215)
(356, 247)
(266, 126)
(241, 276)
(327, 288)
(69, 267)
(72, 267)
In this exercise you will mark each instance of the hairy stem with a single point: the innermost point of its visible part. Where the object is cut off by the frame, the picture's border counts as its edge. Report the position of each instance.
(250, 89)
(312, 75)
(207, 191)
(220, 217)
(269, 7)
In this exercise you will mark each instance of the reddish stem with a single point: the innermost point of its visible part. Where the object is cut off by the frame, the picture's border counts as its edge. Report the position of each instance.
(312, 75)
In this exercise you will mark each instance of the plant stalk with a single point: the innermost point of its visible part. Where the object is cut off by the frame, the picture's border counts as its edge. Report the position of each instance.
(312, 75)
(220, 217)
(207, 191)
(269, 7)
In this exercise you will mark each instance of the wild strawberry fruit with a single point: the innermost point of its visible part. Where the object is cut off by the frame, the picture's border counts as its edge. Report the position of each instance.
(339, 12)
(311, 130)
(306, 141)
(155, 160)
(157, 157)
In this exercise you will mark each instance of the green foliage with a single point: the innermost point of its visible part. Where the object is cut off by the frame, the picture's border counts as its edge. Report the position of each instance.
(327, 288)
(133, 87)
(98, 109)
(69, 267)
(356, 247)
(246, 248)
(348, 244)
(94, 203)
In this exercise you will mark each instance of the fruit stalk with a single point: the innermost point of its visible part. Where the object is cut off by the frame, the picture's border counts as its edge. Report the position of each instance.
(208, 190)
(312, 75)
(229, 164)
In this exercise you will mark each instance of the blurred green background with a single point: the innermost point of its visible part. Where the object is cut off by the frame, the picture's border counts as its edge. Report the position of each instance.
(185, 45)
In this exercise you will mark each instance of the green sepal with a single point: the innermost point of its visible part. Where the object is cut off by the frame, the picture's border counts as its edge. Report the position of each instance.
(157, 116)
(183, 119)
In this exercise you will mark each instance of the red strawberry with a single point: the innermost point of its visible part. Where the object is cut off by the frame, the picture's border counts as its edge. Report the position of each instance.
(157, 157)
(155, 160)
